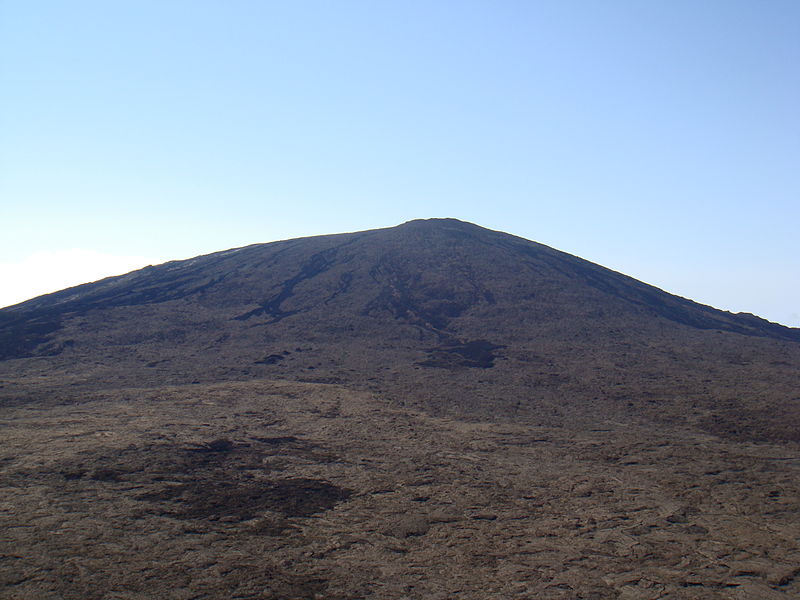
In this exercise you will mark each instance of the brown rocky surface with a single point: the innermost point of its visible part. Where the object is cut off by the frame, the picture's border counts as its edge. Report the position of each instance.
(428, 411)
(291, 490)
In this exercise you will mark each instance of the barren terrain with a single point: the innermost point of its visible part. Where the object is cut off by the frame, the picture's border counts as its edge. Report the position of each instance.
(290, 490)
(431, 411)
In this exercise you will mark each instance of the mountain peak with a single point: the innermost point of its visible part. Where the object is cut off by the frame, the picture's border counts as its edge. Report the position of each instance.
(440, 221)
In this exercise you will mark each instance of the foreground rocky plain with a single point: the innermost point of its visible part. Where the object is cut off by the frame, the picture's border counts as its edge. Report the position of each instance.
(278, 489)
(429, 411)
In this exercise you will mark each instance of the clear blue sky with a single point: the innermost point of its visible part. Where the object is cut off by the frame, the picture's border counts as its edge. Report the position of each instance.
(659, 138)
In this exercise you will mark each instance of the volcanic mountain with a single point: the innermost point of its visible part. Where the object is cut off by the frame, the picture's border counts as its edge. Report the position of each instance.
(437, 314)
(433, 410)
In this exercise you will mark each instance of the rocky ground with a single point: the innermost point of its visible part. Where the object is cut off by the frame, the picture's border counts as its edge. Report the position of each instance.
(271, 489)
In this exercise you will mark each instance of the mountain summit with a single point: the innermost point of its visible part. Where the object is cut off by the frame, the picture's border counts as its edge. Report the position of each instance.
(438, 314)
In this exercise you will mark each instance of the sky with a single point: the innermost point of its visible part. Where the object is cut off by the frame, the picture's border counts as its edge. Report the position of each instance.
(660, 139)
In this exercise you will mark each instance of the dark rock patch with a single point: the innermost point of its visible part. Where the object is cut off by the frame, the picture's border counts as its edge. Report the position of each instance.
(271, 359)
(278, 441)
(218, 480)
(214, 500)
(473, 353)
(106, 475)
(72, 475)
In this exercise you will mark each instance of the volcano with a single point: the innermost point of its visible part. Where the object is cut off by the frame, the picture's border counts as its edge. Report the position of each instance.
(438, 314)
(433, 410)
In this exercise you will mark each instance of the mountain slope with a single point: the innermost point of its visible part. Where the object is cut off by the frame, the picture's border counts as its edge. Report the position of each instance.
(439, 314)
(433, 410)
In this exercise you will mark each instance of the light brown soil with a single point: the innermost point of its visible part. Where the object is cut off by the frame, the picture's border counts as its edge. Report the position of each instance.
(271, 489)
